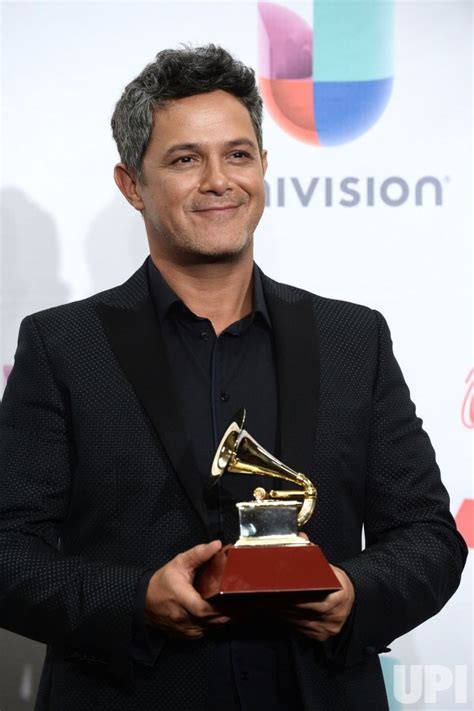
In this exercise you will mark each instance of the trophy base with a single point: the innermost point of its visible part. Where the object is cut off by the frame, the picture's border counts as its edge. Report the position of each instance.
(289, 573)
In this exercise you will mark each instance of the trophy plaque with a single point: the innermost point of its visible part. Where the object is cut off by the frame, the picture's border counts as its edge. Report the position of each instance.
(270, 561)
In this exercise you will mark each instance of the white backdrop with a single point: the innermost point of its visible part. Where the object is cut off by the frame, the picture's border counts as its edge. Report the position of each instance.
(66, 232)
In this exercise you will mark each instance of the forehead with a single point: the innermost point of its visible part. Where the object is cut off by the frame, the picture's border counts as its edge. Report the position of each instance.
(218, 116)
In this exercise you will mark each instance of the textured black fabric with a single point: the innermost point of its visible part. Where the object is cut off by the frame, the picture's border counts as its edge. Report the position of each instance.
(95, 490)
(214, 377)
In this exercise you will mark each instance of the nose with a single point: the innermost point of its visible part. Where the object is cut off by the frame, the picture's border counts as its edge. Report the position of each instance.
(214, 178)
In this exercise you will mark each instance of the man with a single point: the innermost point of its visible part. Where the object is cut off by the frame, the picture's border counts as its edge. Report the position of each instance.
(115, 406)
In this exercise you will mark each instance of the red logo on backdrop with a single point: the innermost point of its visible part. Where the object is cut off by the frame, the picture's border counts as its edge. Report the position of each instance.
(465, 521)
(465, 515)
(467, 411)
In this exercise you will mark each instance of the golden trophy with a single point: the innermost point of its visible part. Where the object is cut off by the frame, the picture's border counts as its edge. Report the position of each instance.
(269, 558)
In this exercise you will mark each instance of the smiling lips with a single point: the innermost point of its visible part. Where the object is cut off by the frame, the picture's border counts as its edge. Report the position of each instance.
(218, 209)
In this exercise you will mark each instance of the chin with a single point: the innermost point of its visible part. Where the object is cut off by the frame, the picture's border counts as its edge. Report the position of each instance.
(216, 254)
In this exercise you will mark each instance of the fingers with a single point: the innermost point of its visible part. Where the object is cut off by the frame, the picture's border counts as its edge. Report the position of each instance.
(220, 620)
(173, 604)
(189, 598)
(197, 556)
(323, 619)
(186, 615)
(317, 609)
(340, 599)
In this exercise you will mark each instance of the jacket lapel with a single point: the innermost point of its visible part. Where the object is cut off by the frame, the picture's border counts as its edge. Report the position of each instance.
(297, 356)
(135, 338)
(133, 332)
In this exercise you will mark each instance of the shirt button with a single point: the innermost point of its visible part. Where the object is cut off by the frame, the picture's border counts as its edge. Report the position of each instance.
(225, 397)
(204, 335)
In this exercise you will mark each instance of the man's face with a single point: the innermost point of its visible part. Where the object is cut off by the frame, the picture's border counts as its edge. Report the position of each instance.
(203, 192)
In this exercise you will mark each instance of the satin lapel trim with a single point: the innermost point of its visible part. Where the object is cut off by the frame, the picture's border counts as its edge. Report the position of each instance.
(135, 338)
(297, 356)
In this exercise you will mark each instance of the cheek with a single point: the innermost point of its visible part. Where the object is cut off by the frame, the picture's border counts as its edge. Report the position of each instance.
(256, 189)
(174, 200)
(164, 207)
(258, 199)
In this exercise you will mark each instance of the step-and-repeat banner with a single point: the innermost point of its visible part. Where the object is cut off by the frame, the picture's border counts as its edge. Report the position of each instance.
(368, 126)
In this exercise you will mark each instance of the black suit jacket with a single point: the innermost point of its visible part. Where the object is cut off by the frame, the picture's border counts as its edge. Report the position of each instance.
(98, 486)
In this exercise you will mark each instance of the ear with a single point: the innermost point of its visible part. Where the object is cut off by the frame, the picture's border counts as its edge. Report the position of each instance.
(128, 185)
(264, 161)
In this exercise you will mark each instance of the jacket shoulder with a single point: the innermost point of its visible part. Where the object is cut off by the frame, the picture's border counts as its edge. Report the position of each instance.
(324, 308)
(127, 295)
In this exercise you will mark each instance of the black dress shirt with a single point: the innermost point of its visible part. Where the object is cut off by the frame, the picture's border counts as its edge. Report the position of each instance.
(214, 378)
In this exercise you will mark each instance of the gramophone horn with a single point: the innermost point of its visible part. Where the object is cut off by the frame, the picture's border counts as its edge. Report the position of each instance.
(239, 453)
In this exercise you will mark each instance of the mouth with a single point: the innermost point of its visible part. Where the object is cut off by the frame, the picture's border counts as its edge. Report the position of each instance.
(217, 210)
(218, 213)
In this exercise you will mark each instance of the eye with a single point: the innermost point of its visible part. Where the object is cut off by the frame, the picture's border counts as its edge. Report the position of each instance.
(240, 156)
(183, 160)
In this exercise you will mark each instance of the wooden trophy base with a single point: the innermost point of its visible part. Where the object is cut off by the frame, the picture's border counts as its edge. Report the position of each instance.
(271, 574)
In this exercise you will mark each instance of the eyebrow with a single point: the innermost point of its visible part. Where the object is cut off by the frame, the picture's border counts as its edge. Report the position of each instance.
(234, 143)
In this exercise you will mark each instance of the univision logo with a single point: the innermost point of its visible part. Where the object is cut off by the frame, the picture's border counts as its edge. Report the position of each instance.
(330, 84)
(352, 191)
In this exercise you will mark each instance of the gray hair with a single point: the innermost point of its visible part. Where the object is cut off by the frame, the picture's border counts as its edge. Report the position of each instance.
(176, 74)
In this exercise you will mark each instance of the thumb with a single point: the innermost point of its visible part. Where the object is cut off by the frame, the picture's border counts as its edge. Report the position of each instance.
(194, 557)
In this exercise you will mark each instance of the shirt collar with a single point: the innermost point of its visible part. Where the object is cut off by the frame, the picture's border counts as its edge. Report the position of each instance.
(164, 298)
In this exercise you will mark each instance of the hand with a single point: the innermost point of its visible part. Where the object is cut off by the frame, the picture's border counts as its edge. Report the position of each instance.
(321, 620)
(173, 604)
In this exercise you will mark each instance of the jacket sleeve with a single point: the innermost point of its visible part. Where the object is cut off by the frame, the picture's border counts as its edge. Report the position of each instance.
(68, 601)
(414, 555)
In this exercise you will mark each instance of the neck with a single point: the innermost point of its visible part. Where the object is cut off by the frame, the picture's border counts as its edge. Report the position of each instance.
(221, 293)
